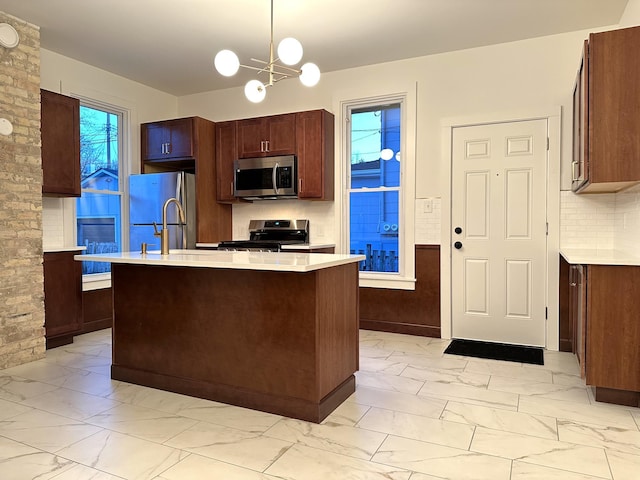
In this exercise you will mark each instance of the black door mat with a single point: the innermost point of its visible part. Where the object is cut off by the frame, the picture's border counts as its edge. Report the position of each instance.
(496, 351)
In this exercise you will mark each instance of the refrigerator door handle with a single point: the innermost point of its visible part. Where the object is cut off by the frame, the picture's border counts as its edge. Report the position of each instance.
(180, 179)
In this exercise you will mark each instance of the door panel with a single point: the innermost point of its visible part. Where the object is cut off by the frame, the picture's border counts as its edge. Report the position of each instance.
(499, 200)
(476, 285)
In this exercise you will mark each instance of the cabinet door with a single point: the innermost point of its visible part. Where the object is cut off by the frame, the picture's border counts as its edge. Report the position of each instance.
(612, 160)
(580, 163)
(153, 139)
(251, 137)
(281, 135)
(314, 132)
(181, 141)
(566, 327)
(578, 312)
(167, 140)
(226, 153)
(267, 136)
(62, 294)
(613, 330)
(60, 130)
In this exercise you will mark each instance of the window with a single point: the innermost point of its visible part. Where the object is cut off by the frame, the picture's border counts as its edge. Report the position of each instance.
(99, 209)
(374, 186)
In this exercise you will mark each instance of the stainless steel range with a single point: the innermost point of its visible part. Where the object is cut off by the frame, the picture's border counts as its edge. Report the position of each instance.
(270, 236)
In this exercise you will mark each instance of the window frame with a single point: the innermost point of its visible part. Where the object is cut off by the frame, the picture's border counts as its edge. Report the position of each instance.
(405, 277)
(103, 280)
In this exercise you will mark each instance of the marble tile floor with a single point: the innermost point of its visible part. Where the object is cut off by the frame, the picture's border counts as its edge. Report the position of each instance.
(417, 414)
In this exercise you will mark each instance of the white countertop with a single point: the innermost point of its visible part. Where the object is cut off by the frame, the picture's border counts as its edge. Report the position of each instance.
(274, 261)
(73, 248)
(299, 246)
(598, 256)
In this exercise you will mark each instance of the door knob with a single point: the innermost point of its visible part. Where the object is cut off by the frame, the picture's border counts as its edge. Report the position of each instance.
(458, 245)
(458, 230)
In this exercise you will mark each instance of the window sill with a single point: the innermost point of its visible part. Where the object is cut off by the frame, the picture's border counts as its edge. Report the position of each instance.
(96, 281)
(395, 283)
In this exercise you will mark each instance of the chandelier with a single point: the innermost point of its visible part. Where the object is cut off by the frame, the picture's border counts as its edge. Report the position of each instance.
(289, 53)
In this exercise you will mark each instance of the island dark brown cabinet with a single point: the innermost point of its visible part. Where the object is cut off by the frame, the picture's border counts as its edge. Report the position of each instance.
(225, 327)
(606, 101)
(62, 297)
(60, 132)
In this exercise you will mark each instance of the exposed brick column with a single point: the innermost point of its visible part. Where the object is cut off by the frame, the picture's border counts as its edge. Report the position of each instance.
(21, 278)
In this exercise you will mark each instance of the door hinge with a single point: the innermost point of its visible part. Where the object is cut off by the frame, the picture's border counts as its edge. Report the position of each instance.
(547, 143)
(546, 313)
(547, 229)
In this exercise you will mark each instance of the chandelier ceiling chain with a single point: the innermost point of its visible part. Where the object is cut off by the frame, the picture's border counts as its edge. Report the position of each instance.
(289, 53)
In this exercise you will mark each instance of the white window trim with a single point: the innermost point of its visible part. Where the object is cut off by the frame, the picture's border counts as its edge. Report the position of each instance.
(405, 279)
(103, 280)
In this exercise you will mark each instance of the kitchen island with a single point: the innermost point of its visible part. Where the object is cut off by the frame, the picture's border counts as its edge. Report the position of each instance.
(276, 332)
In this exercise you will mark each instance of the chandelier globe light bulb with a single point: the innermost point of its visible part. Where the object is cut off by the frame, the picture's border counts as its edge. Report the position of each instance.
(290, 51)
(227, 63)
(255, 91)
(310, 75)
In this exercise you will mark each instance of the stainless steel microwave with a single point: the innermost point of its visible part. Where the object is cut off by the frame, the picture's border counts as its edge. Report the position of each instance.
(265, 177)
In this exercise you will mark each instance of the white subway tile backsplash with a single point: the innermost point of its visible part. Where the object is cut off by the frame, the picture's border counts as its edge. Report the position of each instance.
(587, 221)
(601, 221)
(52, 223)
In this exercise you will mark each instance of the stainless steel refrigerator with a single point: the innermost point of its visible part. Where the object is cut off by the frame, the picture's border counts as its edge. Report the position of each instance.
(147, 194)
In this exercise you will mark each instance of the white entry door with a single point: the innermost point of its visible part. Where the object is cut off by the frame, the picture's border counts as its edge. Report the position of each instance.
(498, 217)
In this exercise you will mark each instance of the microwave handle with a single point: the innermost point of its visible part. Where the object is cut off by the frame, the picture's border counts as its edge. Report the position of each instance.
(274, 177)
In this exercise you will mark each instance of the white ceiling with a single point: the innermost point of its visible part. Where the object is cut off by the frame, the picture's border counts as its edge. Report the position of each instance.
(170, 44)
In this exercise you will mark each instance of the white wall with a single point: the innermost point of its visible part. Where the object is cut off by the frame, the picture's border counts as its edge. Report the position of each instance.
(631, 15)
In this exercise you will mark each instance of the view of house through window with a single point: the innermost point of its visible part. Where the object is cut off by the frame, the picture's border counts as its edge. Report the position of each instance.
(374, 186)
(99, 209)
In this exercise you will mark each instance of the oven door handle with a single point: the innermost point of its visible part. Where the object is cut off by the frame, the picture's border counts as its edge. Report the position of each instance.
(274, 177)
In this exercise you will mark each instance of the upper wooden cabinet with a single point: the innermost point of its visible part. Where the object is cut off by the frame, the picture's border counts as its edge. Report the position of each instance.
(226, 154)
(267, 136)
(167, 140)
(315, 142)
(606, 120)
(192, 148)
(60, 131)
(308, 135)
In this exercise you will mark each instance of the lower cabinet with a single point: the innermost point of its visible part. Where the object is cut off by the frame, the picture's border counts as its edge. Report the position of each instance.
(62, 297)
(612, 345)
(603, 306)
